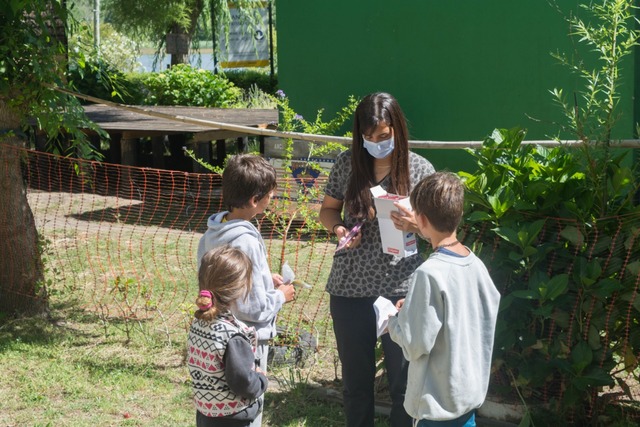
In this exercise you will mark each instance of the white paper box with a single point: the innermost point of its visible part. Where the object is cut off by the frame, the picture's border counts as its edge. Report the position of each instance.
(394, 241)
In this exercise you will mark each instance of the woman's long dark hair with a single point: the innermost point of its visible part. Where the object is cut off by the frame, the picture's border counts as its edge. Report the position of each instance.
(374, 109)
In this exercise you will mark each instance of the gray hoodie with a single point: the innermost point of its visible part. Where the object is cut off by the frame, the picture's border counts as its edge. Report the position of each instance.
(446, 331)
(263, 303)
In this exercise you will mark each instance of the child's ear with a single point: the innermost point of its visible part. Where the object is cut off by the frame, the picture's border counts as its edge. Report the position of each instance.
(422, 221)
(254, 201)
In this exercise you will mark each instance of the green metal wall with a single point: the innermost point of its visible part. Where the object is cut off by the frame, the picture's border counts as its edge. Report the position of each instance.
(459, 68)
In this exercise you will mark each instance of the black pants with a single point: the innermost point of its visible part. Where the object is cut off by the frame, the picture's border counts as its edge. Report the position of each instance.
(204, 421)
(354, 325)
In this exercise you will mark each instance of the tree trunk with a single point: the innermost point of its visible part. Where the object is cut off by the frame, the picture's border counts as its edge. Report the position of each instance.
(182, 57)
(22, 286)
(180, 52)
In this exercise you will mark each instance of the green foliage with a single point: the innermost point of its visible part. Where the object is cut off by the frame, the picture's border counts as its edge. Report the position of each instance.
(98, 78)
(254, 97)
(293, 122)
(557, 228)
(300, 201)
(116, 49)
(119, 50)
(611, 37)
(185, 85)
(153, 20)
(32, 62)
(560, 265)
(247, 78)
(102, 74)
(148, 19)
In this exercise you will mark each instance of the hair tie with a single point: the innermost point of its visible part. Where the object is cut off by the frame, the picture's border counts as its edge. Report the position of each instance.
(207, 294)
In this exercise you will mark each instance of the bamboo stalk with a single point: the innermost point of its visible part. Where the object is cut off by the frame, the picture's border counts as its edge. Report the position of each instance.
(623, 143)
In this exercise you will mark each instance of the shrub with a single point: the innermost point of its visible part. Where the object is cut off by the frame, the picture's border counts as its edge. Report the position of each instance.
(566, 265)
(247, 78)
(558, 229)
(185, 85)
(96, 77)
(102, 74)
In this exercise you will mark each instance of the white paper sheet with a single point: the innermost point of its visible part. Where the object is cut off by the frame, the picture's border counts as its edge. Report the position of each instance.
(288, 276)
(384, 308)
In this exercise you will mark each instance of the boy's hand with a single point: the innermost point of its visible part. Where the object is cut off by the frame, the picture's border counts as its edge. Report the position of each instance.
(289, 292)
(399, 304)
(404, 219)
(278, 280)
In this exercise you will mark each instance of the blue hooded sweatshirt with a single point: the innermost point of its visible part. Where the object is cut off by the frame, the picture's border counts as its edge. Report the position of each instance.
(263, 302)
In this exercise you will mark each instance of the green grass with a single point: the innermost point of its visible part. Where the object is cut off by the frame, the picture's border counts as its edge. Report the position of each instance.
(63, 371)
(122, 295)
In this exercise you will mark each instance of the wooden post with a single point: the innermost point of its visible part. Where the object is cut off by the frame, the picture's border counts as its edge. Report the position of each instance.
(203, 151)
(157, 148)
(221, 152)
(128, 150)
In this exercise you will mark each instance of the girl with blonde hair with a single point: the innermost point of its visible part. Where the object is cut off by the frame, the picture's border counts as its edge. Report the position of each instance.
(225, 378)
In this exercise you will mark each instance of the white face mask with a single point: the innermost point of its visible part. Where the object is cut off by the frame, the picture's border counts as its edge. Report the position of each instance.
(379, 150)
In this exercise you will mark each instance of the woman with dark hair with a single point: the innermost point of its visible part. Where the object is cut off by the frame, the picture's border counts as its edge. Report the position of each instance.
(361, 272)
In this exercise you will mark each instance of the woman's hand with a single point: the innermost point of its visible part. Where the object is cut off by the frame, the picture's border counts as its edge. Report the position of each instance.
(342, 231)
(331, 217)
(404, 219)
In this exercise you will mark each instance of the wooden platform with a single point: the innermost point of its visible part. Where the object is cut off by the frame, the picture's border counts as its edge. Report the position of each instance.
(135, 125)
(129, 130)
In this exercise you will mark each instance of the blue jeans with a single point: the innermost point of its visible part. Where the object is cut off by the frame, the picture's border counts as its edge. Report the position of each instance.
(467, 420)
(354, 325)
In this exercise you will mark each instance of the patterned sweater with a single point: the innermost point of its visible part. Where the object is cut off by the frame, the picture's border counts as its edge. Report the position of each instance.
(222, 367)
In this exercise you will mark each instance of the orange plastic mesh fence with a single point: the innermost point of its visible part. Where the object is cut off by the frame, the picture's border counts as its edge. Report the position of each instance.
(606, 318)
(120, 242)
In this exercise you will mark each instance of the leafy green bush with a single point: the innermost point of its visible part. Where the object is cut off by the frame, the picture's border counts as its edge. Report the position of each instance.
(119, 50)
(185, 85)
(254, 97)
(247, 78)
(103, 74)
(558, 228)
(566, 264)
(116, 49)
(96, 77)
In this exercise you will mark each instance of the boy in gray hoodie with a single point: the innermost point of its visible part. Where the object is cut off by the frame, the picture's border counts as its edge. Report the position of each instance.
(248, 183)
(447, 322)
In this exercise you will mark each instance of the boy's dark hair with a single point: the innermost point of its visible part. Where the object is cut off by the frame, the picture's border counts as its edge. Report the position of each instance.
(440, 197)
(246, 176)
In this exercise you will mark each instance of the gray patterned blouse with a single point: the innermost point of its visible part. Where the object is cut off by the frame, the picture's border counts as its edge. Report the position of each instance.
(365, 271)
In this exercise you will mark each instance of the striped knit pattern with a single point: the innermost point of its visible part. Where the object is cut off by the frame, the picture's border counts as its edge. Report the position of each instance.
(206, 345)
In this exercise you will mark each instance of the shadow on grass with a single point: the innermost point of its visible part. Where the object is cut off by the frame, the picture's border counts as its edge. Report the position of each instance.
(41, 329)
(306, 405)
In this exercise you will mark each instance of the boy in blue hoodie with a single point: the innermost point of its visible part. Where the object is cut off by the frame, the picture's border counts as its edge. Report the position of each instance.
(248, 183)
